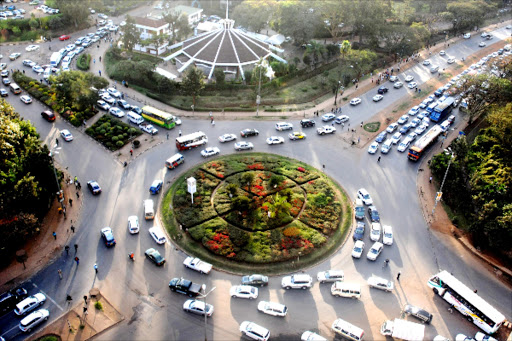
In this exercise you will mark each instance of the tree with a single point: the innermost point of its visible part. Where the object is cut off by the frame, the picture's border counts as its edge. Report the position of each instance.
(278, 205)
(296, 19)
(345, 48)
(76, 12)
(130, 35)
(193, 83)
(220, 76)
(316, 51)
(76, 87)
(361, 61)
(334, 15)
(254, 15)
(468, 14)
(179, 27)
(367, 18)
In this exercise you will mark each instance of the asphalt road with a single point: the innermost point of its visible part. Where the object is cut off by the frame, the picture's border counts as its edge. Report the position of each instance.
(139, 289)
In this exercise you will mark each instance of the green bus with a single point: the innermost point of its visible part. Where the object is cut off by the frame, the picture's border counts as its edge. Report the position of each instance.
(158, 117)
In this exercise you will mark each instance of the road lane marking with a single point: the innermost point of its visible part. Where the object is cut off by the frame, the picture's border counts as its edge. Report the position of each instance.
(48, 296)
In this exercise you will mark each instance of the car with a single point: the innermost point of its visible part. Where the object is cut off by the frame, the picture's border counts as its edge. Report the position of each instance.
(297, 135)
(412, 136)
(177, 120)
(467, 35)
(409, 78)
(133, 224)
(94, 187)
(154, 256)
(415, 122)
(106, 97)
(227, 138)
(403, 119)
(374, 214)
(275, 140)
(359, 231)
(64, 37)
(254, 280)
(32, 48)
(381, 137)
(3, 66)
(330, 276)
(326, 130)
(392, 127)
(377, 98)
(451, 119)
(244, 145)
(26, 99)
(380, 283)
(103, 105)
(157, 235)
(462, 337)
(254, 331)
(29, 304)
(66, 135)
(341, 119)
(307, 122)
(328, 117)
(3, 92)
(114, 92)
(298, 281)
(108, 236)
(372, 149)
(402, 147)
(123, 104)
(382, 90)
(272, 308)
(421, 129)
(198, 307)
(424, 104)
(37, 69)
(414, 110)
(310, 336)
(116, 112)
(14, 56)
(6, 81)
(136, 110)
(249, 132)
(482, 44)
(439, 92)
(4, 73)
(33, 320)
(70, 48)
(210, 151)
(405, 128)
(197, 265)
(364, 196)
(396, 137)
(412, 85)
(387, 235)
(355, 101)
(398, 85)
(426, 62)
(479, 336)
(425, 121)
(450, 60)
(442, 53)
(243, 291)
(156, 186)
(375, 251)
(28, 62)
(417, 312)
(358, 249)
(375, 231)
(102, 16)
(280, 126)
(393, 79)
(79, 50)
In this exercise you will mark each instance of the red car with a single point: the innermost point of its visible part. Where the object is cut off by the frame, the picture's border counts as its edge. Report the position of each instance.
(64, 37)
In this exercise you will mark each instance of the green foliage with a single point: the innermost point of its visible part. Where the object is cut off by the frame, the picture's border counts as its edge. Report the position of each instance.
(220, 76)
(254, 14)
(193, 83)
(106, 131)
(83, 62)
(98, 306)
(130, 34)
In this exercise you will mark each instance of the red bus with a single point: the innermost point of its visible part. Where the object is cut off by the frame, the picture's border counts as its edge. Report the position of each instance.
(424, 143)
(191, 140)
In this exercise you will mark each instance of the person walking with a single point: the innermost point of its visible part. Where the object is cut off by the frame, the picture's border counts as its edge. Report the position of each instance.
(179, 133)
(96, 267)
(398, 276)
(85, 299)
(70, 202)
(100, 59)
(131, 152)
(60, 273)
(378, 160)
(76, 249)
(99, 71)
(54, 235)
(430, 180)
(77, 260)
(77, 195)
(72, 229)
(67, 250)
(57, 142)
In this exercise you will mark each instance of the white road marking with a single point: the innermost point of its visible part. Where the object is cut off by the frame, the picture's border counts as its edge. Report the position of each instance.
(47, 296)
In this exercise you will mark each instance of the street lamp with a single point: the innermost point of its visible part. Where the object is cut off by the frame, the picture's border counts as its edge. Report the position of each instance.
(440, 193)
(205, 294)
(258, 98)
(54, 151)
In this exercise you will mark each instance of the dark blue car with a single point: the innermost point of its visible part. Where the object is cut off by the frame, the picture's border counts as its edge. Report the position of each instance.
(439, 92)
(381, 137)
(374, 214)
(359, 231)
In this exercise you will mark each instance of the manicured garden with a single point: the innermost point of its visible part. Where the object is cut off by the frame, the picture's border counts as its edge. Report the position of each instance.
(111, 132)
(260, 211)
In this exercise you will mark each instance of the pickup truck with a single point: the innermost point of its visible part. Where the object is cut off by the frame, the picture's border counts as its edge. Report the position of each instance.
(185, 287)
(326, 130)
(148, 128)
(197, 264)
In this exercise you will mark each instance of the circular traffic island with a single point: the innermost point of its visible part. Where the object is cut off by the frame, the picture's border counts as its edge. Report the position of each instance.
(257, 212)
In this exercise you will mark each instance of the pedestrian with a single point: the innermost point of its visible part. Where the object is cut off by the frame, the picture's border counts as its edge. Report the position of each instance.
(179, 132)
(358, 139)
(94, 60)
(77, 260)
(131, 152)
(60, 273)
(64, 211)
(57, 142)
(99, 71)
(79, 186)
(430, 180)
(361, 124)
(416, 89)
(211, 118)
(96, 267)
(357, 85)
(85, 299)
(67, 250)
(72, 229)
(54, 235)
(76, 249)
(342, 125)
(70, 202)
(475, 291)
(398, 276)
(122, 95)
(419, 90)
(213, 123)
(100, 58)
(77, 195)
(168, 135)
(378, 160)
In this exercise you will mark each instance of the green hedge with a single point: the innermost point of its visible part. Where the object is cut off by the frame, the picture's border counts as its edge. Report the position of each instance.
(112, 133)
(84, 62)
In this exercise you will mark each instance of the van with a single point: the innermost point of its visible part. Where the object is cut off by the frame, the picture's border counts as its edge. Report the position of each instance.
(134, 118)
(149, 211)
(347, 330)
(174, 161)
(386, 146)
(156, 186)
(434, 69)
(342, 289)
(445, 125)
(15, 89)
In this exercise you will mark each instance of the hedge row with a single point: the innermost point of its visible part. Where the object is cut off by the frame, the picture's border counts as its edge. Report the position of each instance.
(84, 62)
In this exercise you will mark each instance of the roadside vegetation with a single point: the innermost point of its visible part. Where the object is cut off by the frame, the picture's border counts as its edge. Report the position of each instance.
(111, 132)
(84, 62)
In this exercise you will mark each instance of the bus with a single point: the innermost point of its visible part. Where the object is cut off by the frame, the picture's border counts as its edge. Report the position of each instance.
(158, 117)
(191, 140)
(424, 142)
(466, 301)
(442, 110)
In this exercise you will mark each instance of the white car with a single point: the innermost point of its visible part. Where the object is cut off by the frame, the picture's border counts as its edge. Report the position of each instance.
(377, 98)
(254, 331)
(403, 119)
(398, 85)
(375, 251)
(380, 283)
(355, 101)
(364, 196)
(37, 69)
(66, 135)
(33, 320)
(114, 92)
(412, 85)
(482, 44)
(375, 231)
(372, 149)
(116, 112)
(393, 79)
(157, 235)
(243, 291)
(310, 336)
(387, 235)
(243, 145)
(275, 140)
(330, 276)
(409, 78)
(415, 122)
(102, 105)
(210, 151)
(414, 110)
(197, 265)
(342, 119)
(198, 307)
(29, 304)
(272, 308)
(467, 35)
(227, 138)
(280, 126)
(133, 224)
(450, 60)
(479, 336)
(26, 99)
(326, 130)
(299, 281)
(442, 53)
(412, 136)
(328, 117)
(402, 147)
(358, 249)
(426, 62)
(108, 99)
(421, 129)
(396, 137)
(392, 127)
(32, 48)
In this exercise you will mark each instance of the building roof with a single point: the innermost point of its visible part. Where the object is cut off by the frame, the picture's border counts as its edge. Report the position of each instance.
(188, 10)
(150, 22)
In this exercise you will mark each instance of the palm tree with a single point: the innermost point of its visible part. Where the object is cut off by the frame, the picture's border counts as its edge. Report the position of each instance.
(317, 50)
(278, 204)
(345, 48)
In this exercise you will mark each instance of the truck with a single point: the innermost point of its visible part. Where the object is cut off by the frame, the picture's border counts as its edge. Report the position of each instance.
(442, 110)
(55, 59)
(148, 128)
(197, 265)
(359, 209)
(402, 329)
(185, 287)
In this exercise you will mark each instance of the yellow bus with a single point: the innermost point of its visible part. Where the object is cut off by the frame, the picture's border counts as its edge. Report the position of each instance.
(159, 117)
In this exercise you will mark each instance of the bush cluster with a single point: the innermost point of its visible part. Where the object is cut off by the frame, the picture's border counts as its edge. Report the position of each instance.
(84, 62)
(112, 133)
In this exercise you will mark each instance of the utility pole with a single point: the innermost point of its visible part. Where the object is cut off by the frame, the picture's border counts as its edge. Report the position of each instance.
(440, 193)
(60, 194)
(258, 98)
(205, 294)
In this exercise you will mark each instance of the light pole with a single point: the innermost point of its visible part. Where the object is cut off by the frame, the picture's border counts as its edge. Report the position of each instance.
(205, 294)
(258, 98)
(54, 151)
(440, 193)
